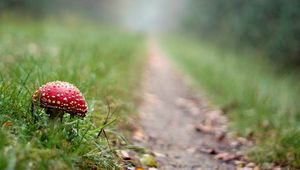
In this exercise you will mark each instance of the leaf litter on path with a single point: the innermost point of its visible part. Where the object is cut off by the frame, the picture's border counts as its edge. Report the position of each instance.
(180, 127)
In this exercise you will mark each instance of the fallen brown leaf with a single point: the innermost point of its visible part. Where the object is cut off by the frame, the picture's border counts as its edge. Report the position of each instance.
(204, 128)
(256, 168)
(157, 154)
(250, 165)
(276, 168)
(123, 154)
(220, 136)
(152, 169)
(138, 134)
(224, 156)
(7, 124)
(209, 151)
(239, 163)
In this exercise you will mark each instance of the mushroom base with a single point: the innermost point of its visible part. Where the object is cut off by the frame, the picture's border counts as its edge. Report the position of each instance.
(55, 113)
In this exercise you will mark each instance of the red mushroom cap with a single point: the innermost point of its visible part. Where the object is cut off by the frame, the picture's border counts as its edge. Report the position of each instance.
(62, 96)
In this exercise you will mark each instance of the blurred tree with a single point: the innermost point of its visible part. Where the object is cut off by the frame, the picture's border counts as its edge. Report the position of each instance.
(34, 7)
(94, 9)
(270, 26)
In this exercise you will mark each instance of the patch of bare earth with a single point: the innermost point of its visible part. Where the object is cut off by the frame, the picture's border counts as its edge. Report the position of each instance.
(179, 126)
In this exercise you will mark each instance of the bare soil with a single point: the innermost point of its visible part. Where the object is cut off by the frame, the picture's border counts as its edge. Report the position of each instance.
(182, 130)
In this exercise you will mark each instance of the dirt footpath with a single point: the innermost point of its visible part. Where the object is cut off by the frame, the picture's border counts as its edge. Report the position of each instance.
(179, 126)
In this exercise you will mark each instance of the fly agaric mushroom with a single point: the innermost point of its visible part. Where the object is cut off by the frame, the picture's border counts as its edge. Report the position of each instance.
(59, 97)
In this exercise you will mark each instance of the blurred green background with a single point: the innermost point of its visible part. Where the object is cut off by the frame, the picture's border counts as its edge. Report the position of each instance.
(244, 54)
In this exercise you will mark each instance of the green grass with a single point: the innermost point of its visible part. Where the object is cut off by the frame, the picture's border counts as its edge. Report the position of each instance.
(104, 64)
(258, 99)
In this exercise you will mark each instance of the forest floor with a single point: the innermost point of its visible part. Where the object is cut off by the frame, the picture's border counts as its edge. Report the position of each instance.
(179, 125)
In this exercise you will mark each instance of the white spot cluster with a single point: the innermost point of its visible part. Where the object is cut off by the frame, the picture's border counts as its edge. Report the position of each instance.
(62, 96)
